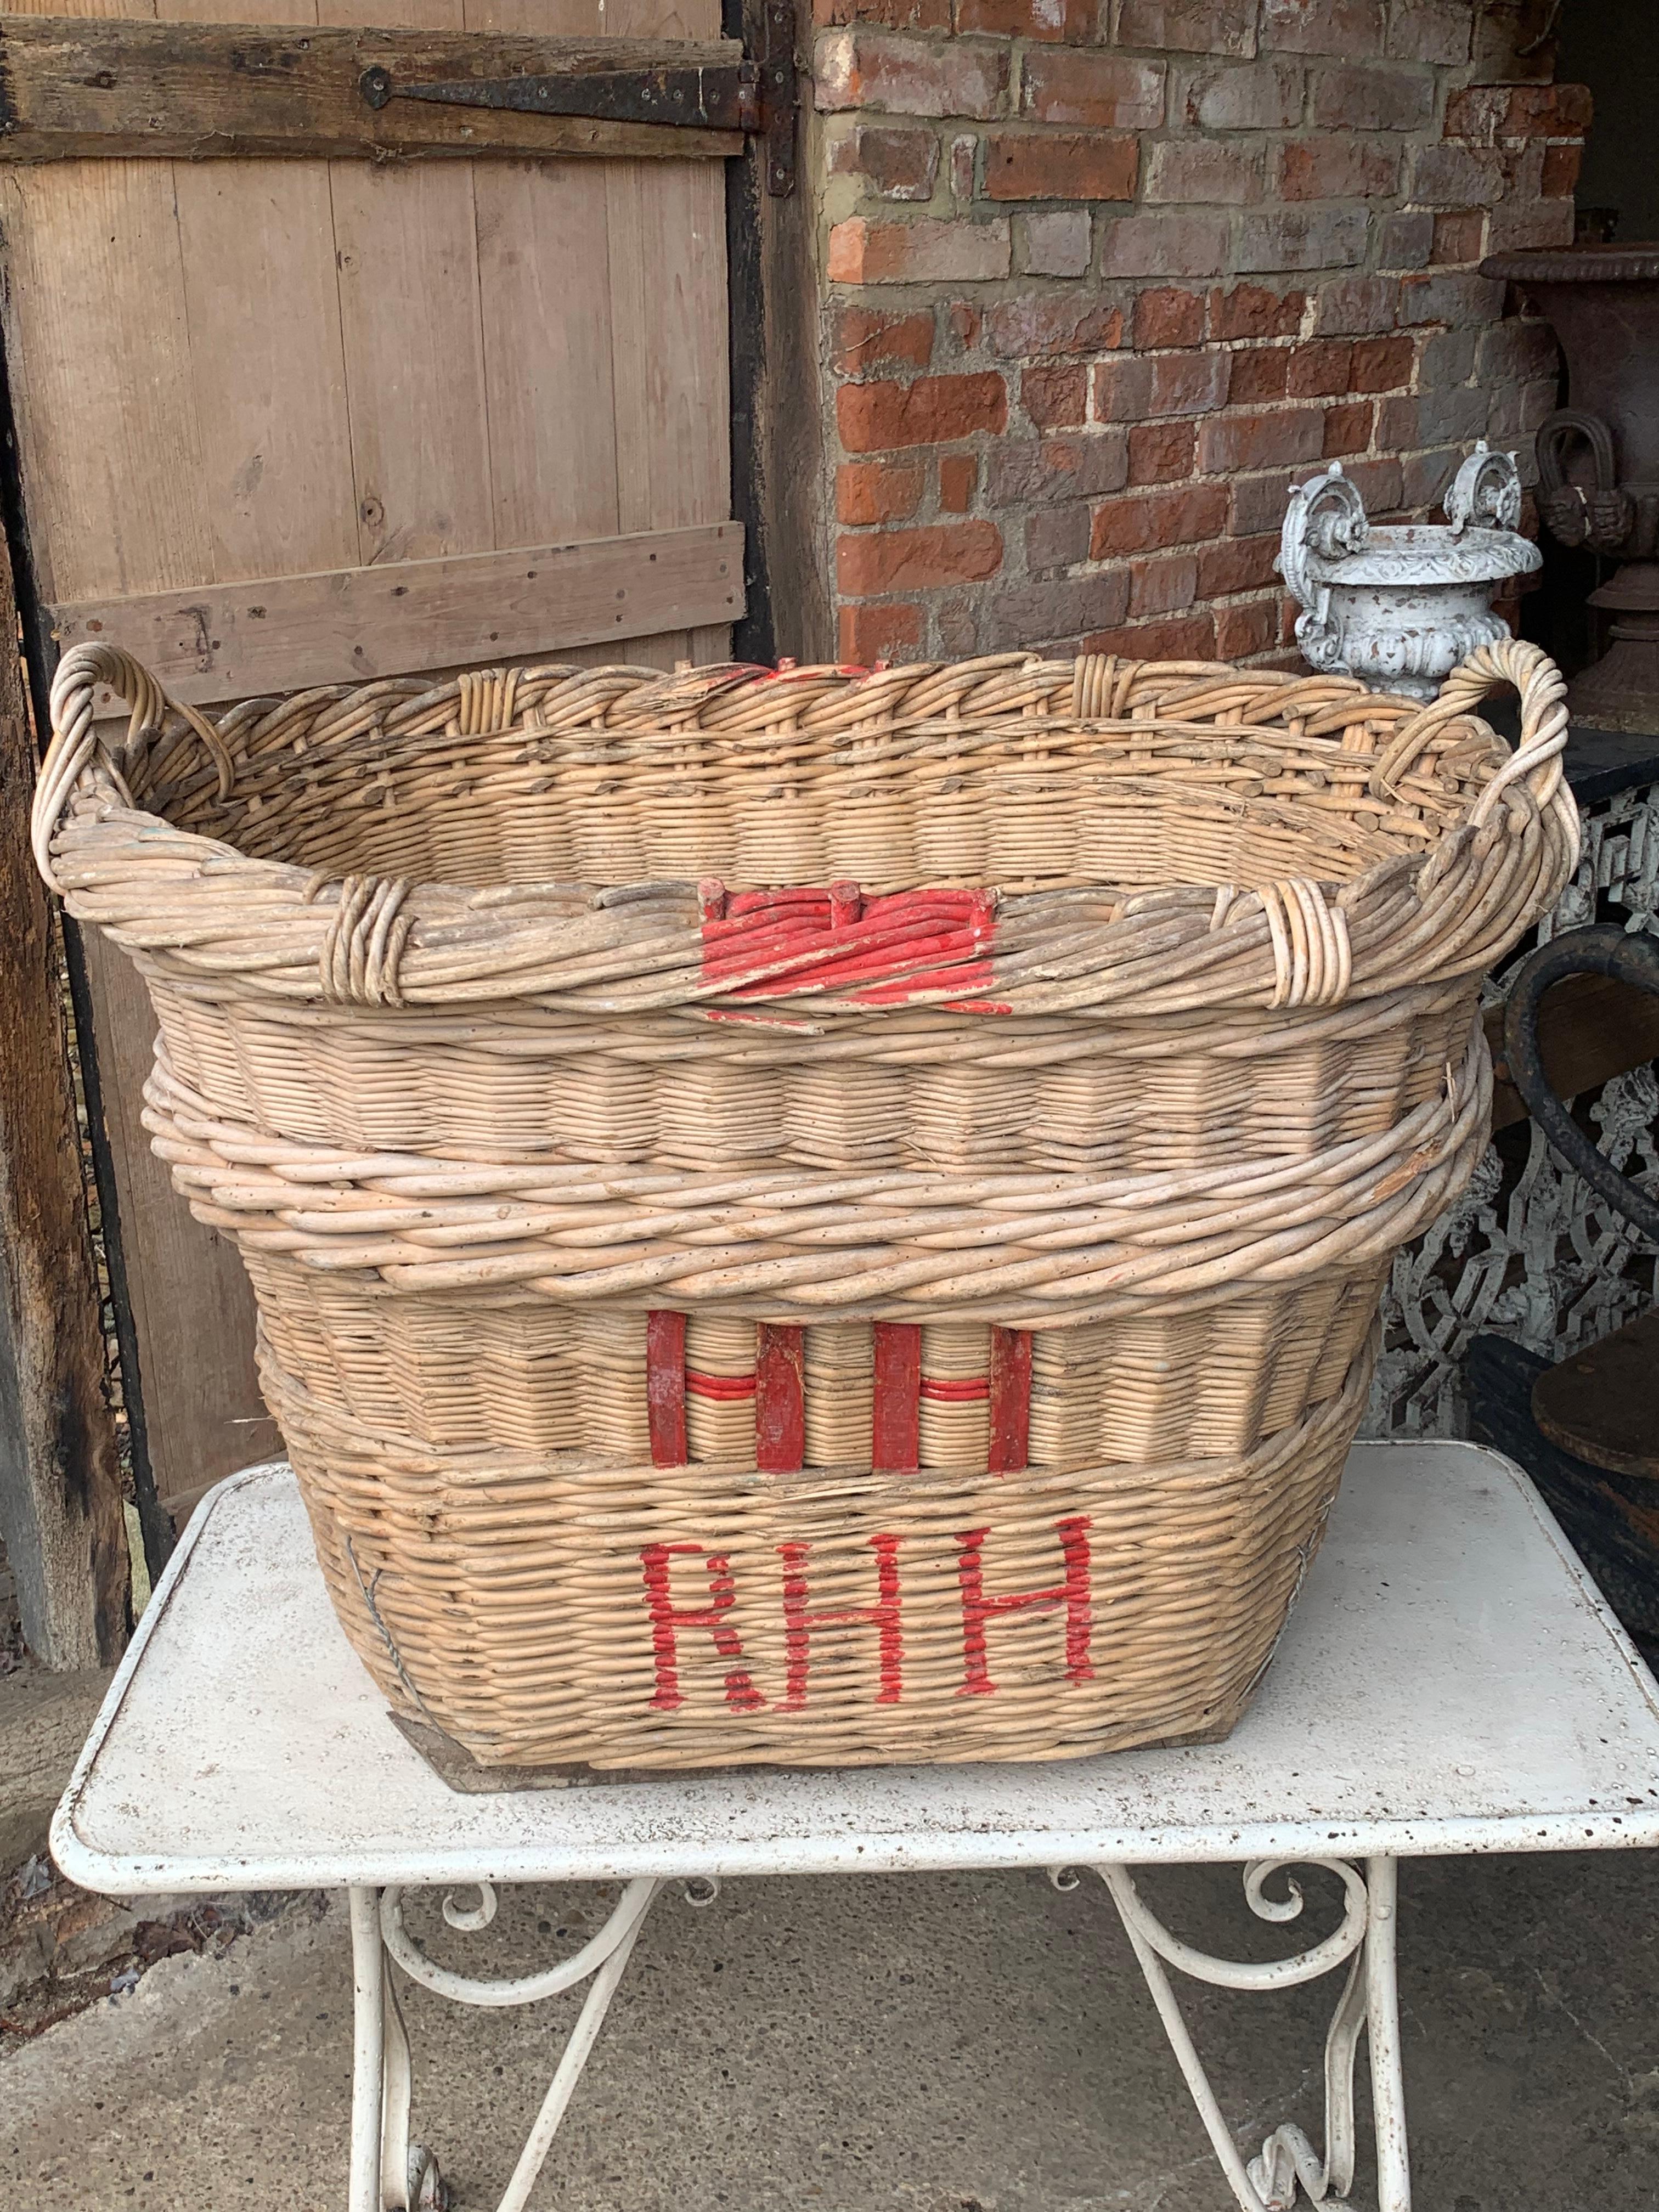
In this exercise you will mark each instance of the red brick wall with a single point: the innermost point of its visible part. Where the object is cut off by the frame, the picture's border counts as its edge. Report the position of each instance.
(1102, 278)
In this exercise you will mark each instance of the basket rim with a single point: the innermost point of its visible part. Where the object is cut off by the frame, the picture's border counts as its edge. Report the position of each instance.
(201, 908)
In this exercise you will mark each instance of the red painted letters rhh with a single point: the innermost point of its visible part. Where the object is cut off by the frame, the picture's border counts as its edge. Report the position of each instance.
(1073, 1594)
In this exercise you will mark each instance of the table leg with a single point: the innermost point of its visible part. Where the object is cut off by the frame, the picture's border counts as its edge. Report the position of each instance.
(1288, 2161)
(368, 2050)
(1393, 2173)
(387, 2173)
(397, 2094)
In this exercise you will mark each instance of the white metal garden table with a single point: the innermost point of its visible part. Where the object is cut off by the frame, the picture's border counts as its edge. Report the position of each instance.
(1449, 1682)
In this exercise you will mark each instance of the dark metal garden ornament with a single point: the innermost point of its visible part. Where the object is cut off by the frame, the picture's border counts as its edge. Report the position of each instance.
(1627, 958)
(1598, 459)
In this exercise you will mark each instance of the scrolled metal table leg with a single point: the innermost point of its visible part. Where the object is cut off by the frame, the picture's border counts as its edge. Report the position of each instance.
(1394, 2171)
(410, 2179)
(1288, 2161)
(368, 2050)
(401, 2177)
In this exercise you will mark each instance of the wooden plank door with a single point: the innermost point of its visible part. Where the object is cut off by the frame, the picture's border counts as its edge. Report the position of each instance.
(356, 386)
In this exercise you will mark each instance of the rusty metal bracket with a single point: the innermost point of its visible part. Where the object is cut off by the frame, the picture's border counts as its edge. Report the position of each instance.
(779, 97)
(756, 98)
(712, 99)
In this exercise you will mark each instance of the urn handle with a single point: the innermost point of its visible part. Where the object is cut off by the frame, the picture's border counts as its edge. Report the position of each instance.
(1600, 517)
(1485, 489)
(1325, 520)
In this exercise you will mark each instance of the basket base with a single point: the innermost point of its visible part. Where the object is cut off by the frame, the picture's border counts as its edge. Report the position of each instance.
(459, 1770)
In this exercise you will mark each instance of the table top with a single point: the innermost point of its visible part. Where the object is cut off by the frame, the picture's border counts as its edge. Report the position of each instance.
(1449, 1681)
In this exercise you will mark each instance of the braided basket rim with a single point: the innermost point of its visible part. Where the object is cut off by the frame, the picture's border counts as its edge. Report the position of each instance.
(205, 909)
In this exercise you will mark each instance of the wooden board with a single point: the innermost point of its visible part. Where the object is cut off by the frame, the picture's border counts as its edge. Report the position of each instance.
(89, 88)
(286, 633)
(1601, 1404)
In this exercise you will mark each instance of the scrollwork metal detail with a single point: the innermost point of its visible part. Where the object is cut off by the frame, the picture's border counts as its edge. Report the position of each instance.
(389, 2172)
(1244, 1974)
(470, 1918)
(1288, 2161)
(1486, 489)
(1324, 521)
(524, 1988)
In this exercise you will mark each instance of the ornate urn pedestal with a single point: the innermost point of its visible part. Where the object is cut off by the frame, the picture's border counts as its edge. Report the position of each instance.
(1598, 459)
(1399, 605)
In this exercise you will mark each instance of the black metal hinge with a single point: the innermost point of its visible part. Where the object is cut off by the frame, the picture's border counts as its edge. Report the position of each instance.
(756, 97)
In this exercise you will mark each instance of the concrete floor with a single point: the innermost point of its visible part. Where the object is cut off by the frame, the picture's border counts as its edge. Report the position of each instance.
(951, 2043)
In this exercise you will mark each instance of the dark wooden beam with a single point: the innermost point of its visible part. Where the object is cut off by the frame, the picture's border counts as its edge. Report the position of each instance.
(61, 1512)
(73, 87)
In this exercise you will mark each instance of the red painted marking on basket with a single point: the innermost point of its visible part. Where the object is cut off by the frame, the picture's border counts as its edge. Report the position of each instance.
(726, 1387)
(1075, 1593)
(1010, 1446)
(665, 1388)
(711, 899)
(782, 907)
(779, 1400)
(881, 950)
(896, 1443)
(882, 1616)
(955, 1390)
(667, 1619)
(787, 672)
(969, 976)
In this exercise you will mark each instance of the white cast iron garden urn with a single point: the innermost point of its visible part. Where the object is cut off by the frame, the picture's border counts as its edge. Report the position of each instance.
(1399, 605)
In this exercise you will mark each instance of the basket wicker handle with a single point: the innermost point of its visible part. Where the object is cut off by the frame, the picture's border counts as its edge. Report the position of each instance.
(1543, 692)
(75, 743)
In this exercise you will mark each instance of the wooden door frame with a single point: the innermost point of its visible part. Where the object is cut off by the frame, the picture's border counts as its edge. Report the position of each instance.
(61, 1502)
(62, 1510)
(777, 442)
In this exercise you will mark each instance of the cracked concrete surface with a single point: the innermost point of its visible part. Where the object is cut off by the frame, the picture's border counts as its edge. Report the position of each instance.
(944, 2042)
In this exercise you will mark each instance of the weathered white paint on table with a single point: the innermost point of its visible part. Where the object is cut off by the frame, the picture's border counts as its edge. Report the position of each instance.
(1449, 1682)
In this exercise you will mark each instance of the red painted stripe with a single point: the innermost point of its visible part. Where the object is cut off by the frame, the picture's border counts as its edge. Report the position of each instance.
(779, 1400)
(905, 957)
(951, 1390)
(665, 1388)
(711, 898)
(977, 908)
(1010, 1447)
(1075, 1593)
(895, 1442)
(667, 1619)
(970, 975)
(786, 905)
(718, 1386)
(755, 941)
(882, 1616)
(771, 943)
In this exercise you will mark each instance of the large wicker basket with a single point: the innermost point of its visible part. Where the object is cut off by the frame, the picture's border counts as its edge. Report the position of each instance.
(814, 1216)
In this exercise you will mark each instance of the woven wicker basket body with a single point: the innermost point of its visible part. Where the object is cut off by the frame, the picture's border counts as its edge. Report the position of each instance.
(816, 1216)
